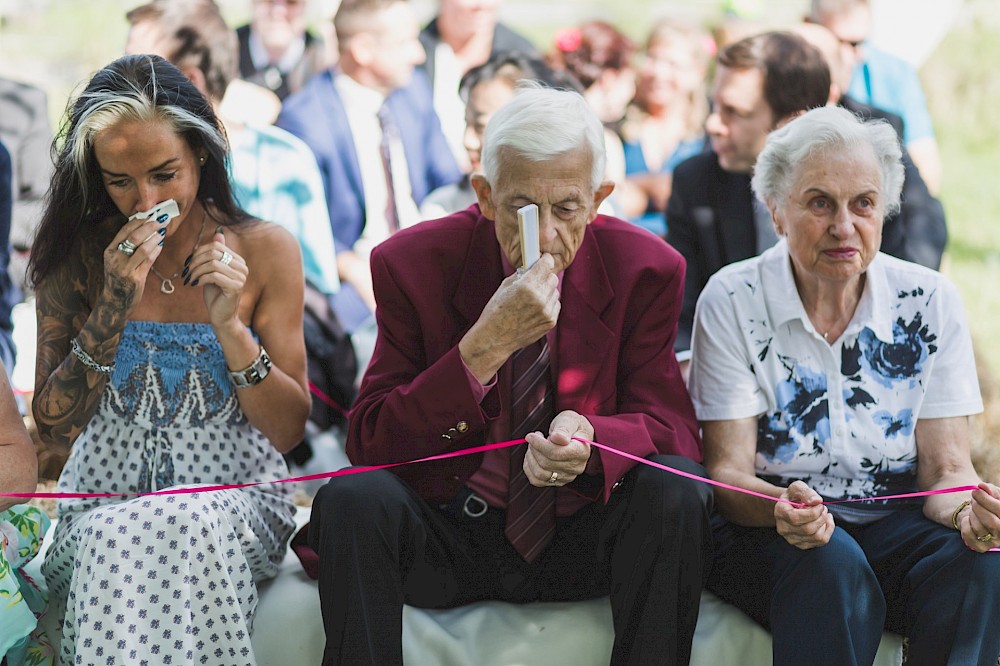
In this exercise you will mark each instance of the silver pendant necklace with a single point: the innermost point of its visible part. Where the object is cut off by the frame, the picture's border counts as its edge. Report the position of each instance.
(167, 286)
(826, 336)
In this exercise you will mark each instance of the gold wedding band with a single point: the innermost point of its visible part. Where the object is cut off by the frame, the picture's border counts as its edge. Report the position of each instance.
(986, 538)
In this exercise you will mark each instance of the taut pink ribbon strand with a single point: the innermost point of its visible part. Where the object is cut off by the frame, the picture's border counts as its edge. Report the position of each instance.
(470, 451)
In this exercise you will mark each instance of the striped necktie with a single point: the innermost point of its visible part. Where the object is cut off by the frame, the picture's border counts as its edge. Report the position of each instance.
(531, 511)
(390, 133)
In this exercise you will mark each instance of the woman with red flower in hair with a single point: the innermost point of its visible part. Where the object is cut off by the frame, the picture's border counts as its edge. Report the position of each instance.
(599, 56)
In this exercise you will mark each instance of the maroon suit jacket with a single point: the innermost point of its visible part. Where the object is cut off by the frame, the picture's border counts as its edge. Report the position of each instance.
(621, 298)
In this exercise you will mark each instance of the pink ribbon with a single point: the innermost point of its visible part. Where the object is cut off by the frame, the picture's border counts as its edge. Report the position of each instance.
(745, 491)
(325, 399)
(482, 449)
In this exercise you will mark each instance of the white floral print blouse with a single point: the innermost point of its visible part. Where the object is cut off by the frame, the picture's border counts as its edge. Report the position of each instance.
(838, 416)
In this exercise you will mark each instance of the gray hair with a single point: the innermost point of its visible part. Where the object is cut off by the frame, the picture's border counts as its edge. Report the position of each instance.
(542, 123)
(820, 130)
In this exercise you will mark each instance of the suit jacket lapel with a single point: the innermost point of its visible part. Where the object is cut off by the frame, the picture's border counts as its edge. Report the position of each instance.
(737, 233)
(582, 352)
(332, 108)
(472, 291)
(586, 292)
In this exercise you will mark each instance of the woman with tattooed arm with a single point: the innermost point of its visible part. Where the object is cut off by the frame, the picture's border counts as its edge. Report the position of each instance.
(170, 354)
(825, 370)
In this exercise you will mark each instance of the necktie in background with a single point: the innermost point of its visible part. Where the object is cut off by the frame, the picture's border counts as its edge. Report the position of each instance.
(390, 134)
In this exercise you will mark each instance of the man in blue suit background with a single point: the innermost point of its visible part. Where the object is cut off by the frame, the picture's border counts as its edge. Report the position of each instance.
(371, 123)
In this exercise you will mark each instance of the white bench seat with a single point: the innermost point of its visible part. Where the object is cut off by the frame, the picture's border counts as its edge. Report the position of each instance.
(288, 630)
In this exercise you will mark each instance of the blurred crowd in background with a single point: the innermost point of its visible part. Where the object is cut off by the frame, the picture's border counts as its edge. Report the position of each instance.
(351, 120)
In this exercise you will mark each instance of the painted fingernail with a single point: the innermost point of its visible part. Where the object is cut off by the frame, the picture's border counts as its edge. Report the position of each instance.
(163, 218)
(185, 271)
(218, 229)
(161, 242)
(187, 279)
(189, 258)
(162, 231)
(195, 283)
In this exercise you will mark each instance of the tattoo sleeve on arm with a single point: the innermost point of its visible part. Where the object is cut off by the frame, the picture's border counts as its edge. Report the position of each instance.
(67, 393)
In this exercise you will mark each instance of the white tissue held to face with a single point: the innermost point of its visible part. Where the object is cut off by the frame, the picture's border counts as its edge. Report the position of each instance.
(527, 220)
(169, 207)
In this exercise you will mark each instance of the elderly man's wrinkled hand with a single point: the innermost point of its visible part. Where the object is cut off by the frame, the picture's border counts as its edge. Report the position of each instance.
(559, 458)
(523, 309)
(981, 526)
(807, 526)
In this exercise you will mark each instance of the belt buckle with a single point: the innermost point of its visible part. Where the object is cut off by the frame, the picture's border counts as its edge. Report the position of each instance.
(474, 506)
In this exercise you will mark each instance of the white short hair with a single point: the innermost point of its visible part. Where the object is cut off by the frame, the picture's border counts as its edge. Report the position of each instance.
(820, 131)
(542, 123)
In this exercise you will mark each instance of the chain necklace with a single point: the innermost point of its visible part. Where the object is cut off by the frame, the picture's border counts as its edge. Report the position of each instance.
(167, 286)
(835, 324)
(847, 314)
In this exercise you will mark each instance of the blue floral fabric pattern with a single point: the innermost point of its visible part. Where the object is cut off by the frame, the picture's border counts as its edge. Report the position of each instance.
(839, 415)
(167, 578)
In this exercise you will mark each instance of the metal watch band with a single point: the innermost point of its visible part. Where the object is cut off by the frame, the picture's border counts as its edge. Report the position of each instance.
(254, 373)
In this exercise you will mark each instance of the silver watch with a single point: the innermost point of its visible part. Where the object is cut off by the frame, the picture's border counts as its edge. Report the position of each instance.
(254, 373)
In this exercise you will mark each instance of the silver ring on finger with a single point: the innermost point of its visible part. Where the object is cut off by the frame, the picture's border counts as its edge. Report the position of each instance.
(553, 479)
(226, 258)
(127, 247)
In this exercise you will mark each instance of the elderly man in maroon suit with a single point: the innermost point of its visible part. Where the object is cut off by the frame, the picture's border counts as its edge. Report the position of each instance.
(471, 350)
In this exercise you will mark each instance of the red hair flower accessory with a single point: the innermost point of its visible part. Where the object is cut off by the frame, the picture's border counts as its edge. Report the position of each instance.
(569, 39)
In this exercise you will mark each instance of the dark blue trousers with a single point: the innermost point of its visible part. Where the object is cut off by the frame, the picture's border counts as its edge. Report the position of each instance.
(830, 605)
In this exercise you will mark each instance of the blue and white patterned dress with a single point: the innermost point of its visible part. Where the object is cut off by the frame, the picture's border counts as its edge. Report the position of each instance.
(166, 579)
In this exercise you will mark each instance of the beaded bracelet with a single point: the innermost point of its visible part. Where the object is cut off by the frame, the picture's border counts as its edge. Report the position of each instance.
(88, 360)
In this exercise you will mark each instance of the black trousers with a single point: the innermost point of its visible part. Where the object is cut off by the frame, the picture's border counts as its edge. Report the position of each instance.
(380, 546)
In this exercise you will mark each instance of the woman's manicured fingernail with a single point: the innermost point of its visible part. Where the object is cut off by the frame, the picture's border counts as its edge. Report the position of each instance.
(185, 271)
(163, 218)
(218, 229)
(195, 283)
(189, 258)
(162, 231)
(187, 279)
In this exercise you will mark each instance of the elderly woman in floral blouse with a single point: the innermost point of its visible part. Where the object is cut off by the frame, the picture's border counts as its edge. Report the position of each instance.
(823, 370)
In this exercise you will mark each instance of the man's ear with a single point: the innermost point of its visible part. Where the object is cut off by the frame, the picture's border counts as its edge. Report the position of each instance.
(789, 118)
(197, 77)
(835, 93)
(483, 191)
(602, 192)
(362, 48)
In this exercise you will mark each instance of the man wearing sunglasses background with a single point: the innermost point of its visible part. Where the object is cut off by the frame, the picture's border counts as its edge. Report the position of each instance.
(882, 80)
